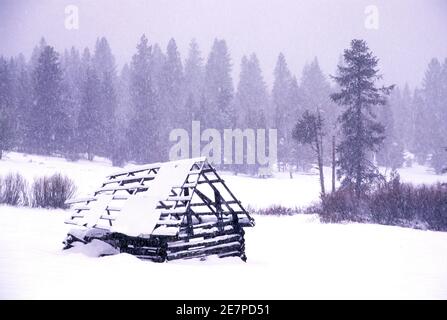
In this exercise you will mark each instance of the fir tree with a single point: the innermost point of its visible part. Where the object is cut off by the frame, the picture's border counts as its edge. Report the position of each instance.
(123, 115)
(172, 82)
(194, 77)
(48, 120)
(157, 63)
(251, 101)
(89, 122)
(171, 103)
(219, 88)
(315, 90)
(421, 139)
(282, 106)
(124, 109)
(6, 105)
(404, 118)
(108, 109)
(71, 88)
(13, 76)
(103, 62)
(24, 103)
(310, 130)
(86, 64)
(35, 55)
(298, 153)
(142, 133)
(362, 133)
(434, 94)
(390, 154)
(432, 90)
(251, 96)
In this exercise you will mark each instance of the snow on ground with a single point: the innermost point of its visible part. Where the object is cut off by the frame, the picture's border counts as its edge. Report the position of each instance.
(88, 176)
(300, 191)
(421, 175)
(288, 257)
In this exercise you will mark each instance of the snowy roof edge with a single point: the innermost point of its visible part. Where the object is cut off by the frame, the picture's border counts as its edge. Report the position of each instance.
(152, 166)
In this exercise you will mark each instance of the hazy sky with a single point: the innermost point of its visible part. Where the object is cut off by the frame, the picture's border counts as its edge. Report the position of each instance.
(409, 34)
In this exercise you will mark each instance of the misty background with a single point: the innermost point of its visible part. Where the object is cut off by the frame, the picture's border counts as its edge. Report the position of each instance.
(118, 84)
(119, 77)
(410, 32)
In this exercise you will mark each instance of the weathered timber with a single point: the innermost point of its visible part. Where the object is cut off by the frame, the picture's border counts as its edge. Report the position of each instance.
(199, 217)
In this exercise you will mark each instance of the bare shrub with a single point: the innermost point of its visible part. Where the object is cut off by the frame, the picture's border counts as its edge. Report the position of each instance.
(391, 203)
(343, 205)
(276, 210)
(52, 191)
(13, 190)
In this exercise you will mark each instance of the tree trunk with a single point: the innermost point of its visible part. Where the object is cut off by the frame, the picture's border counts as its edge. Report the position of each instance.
(320, 169)
(333, 163)
(359, 135)
(319, 149)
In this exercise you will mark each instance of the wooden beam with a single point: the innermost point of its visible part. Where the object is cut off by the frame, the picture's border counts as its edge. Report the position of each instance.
(216, 190)
(207, 201)
(129, 179)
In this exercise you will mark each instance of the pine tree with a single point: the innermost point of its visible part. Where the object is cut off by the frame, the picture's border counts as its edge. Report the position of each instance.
(430, 136)
(443, 155)
(282, 114)
(157, 63)
(400, 103)
(435, 98)
(316, 91)
(35, 55)
(444, 88)
(219, 88)
(123, 115)
(6, 106)
(142, 133)
(89, 122)
(124, 109)
(251, 96)
(24, 103)
(405, 118)
(432, 90)
(103, 62)
(13, 76)
(439, 161)
(72, 99)
(422, 137)
(251, 101)
(48, 119)
(362, 133)
(172, 101)
(390, 154)
(108, 109)
(172, 83)
(86, 64)
(309, 130)
(300, 154)
(194, 77)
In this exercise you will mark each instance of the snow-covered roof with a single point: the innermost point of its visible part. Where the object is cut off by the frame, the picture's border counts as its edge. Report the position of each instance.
(134, 218)
(147, 200)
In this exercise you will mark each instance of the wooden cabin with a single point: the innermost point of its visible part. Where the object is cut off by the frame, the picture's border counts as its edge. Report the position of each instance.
(163, 211)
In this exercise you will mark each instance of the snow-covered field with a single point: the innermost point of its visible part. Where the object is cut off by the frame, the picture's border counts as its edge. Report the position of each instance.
(288, 257)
